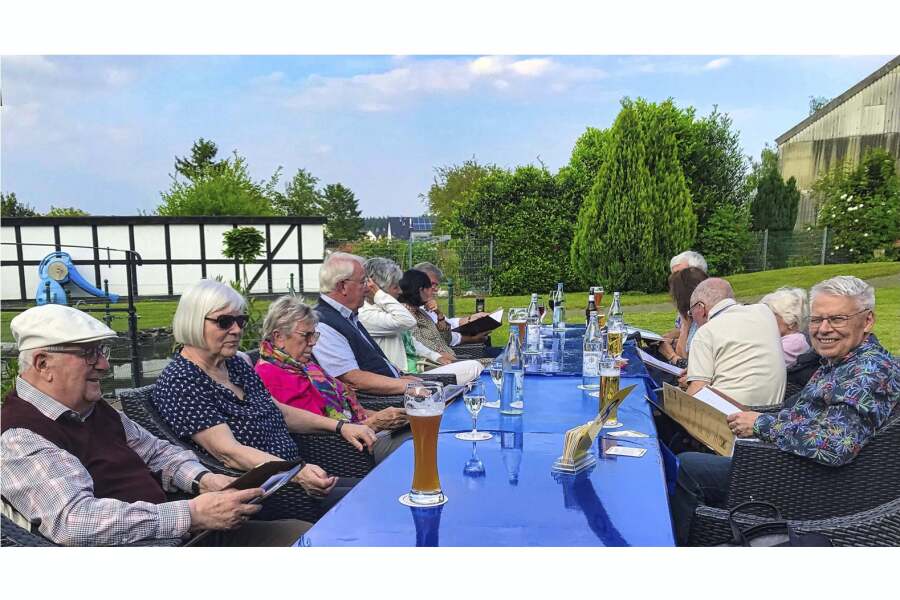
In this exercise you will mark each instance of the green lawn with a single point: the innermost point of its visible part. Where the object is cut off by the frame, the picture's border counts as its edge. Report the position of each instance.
(651, 311)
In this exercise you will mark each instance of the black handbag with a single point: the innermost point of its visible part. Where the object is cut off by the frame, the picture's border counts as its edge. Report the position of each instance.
(773, 533)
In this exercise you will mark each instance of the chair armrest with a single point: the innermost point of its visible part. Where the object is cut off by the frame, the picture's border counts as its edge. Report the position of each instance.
(444, 378)
(378, 402)
(468, 351)
(334, 454)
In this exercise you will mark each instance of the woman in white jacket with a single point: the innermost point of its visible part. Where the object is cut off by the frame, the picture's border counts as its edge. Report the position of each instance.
(387, 321)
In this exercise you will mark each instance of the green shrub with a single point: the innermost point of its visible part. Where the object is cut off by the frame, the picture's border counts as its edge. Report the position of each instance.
(726, 239)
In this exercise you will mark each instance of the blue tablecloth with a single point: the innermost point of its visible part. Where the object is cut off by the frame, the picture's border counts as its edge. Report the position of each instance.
(519, 500)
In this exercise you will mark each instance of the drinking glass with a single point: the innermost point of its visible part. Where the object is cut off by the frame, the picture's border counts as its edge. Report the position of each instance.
(615, 338)
(542, 310)
(473, 398)
(598, 296)
(609, 387)
(496, 371)
(424, 403)
(518, 317)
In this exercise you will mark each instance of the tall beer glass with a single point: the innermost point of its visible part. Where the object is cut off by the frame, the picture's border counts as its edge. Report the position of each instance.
(424, 403)
(518, 317)
(609, 387)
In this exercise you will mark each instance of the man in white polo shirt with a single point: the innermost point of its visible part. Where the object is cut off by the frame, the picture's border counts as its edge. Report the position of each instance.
(737, 348)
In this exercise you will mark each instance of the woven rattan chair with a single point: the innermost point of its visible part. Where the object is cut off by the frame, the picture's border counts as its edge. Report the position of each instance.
(805, 490)
(290, 502)
(470, 351)
(879, 526)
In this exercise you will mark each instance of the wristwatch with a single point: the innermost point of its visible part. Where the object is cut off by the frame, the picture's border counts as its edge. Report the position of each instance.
(195, 484)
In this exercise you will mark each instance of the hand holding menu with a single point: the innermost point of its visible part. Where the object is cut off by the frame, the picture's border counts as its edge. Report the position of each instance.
(488, 323)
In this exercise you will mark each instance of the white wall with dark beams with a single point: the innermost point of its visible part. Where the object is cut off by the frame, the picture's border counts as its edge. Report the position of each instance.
(176, 252)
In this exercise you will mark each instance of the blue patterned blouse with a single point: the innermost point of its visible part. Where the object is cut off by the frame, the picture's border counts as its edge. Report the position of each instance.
(840, 407)
(190, 401)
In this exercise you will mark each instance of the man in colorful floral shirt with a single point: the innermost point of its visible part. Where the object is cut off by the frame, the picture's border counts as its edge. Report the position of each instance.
(853, 394)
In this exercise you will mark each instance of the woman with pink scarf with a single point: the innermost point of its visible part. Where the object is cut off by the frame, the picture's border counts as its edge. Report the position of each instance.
(286, 368)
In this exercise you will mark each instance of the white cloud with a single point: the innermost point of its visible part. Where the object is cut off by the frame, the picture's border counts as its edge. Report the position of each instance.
(717, 63)
(272, 78)
(413, 80)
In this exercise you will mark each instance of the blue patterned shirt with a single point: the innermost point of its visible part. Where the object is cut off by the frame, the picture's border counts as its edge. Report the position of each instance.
(189, 401)
(839, 409)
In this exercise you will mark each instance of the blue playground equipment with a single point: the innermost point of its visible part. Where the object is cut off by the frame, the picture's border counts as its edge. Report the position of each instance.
(56, 271)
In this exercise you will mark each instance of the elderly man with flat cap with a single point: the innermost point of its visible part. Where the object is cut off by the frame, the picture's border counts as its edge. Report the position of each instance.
(87, 473)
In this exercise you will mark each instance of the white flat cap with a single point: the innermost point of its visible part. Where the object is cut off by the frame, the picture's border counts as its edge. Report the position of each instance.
(56, 325)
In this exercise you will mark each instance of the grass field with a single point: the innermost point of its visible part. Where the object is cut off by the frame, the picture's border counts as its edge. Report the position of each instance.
(650, 311)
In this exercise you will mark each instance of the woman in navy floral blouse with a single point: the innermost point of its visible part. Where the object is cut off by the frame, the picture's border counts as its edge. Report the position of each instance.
(210, 395)
(853, 394)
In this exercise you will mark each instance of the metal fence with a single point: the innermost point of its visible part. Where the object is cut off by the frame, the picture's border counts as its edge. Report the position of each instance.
(467, 263)
(780, 249)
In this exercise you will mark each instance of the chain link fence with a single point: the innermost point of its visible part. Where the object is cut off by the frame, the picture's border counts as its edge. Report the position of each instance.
(466, 262)
(780, 249)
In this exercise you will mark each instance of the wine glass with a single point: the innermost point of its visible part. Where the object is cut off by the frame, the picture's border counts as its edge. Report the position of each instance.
(473, 398)
(496, 371)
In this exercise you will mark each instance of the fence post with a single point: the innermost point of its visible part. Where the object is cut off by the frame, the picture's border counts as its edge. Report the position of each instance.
(824, 245)
(410, 245)
(765, 248)
(451, 308)
(490, 265)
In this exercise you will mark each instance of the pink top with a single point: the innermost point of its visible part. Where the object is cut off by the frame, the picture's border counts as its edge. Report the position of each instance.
(793, 345)
(289, 389)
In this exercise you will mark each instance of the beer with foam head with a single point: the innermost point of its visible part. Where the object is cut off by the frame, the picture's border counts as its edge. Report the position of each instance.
(424, 408)
(609, 387)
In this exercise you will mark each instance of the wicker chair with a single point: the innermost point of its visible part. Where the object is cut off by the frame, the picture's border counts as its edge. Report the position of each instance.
(879, 526)
(805, 490)
(290, 502)
(470, 351)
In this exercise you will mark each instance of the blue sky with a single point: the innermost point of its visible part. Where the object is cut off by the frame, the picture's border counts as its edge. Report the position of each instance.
(101, 132)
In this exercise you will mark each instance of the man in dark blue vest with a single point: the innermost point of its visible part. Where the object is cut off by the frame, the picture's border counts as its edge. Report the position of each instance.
(345, 349)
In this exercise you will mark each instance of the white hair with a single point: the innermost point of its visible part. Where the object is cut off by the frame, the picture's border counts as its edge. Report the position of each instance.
(791, 305)
(693, 259)
(430, 269)
(337, 268)
(26, 357)
(846, 285)
(711, 291)
(284, 313)
(383, 271)
(196, 303)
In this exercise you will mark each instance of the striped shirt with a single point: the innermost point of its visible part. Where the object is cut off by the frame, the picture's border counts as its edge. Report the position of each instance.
(50, 485)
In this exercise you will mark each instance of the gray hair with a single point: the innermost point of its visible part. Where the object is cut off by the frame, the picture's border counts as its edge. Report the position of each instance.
(196, 303)
(383, 271)
(284, 313)
(791, 305)
(26, 357)
(429, 268)
(693, 259)
(846, 285)
(335, 269)
(711, 291)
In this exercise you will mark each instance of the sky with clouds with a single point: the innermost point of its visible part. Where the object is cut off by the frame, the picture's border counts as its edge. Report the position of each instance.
(102, 132)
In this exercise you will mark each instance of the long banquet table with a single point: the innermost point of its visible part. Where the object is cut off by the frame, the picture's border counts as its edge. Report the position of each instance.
(518, 500)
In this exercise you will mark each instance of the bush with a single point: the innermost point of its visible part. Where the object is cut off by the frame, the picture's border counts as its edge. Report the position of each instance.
(862, 207)
(638, 213)
(726, 239)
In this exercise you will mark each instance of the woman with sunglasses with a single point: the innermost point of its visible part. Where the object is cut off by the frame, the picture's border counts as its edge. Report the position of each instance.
(286, 368)
(211, 396)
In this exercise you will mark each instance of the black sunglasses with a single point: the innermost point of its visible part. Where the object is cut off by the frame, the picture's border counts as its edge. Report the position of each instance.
(226, 321)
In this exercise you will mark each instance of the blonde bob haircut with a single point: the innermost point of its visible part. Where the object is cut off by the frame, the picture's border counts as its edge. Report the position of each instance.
(196, 303)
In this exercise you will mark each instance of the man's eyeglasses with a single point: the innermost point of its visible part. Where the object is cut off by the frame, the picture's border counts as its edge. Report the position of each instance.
(364, 281)
(90, 354)
(311, 336)
(226, 321)
(694, 305)
(836, 321)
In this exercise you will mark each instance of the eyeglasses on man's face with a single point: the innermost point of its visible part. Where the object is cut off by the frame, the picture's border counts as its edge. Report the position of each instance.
(226, 321)
(836, 321)
(695, 305)
(90, 354)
